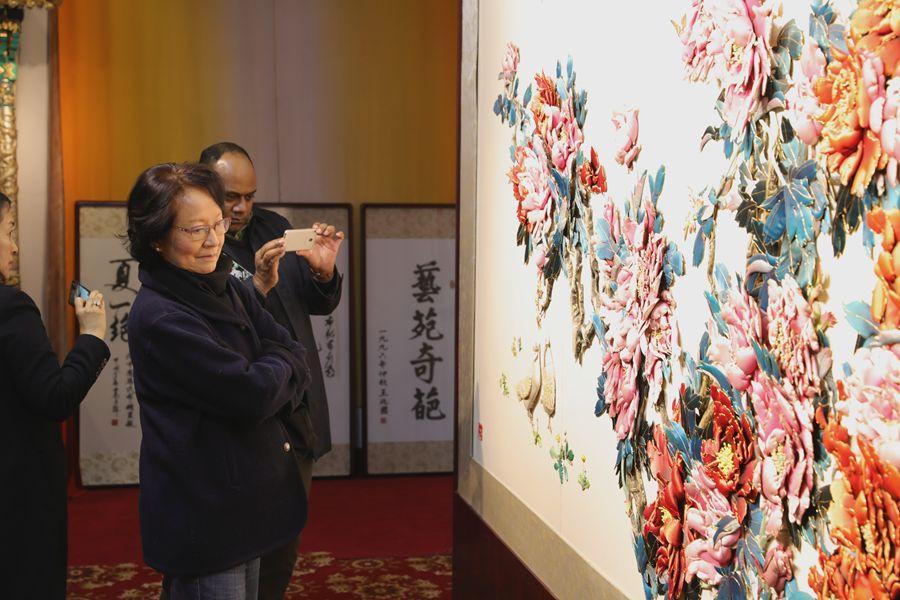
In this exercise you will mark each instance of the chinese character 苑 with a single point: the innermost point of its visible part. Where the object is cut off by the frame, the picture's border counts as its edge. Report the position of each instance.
(426, 323)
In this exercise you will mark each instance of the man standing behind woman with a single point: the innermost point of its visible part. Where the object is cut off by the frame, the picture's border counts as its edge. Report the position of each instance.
(295, 286)
(36, 394)
(221, 388)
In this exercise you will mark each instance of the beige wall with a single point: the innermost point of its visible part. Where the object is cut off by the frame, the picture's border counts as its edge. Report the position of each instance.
(32, 107)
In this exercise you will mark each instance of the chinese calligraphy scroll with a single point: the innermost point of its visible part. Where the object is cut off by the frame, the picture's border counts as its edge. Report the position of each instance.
(410, 314)
(109, 426)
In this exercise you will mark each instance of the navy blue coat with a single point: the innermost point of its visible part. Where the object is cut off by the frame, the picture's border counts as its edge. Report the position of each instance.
(219, 481)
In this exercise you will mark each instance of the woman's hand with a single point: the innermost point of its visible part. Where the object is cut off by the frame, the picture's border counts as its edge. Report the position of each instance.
(267, 259)
(91, 315)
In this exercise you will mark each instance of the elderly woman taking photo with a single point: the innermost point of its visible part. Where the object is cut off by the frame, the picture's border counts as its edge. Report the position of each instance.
(216, 379)
(36, 394)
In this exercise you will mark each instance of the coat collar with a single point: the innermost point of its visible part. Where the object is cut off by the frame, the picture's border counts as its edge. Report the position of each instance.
(148, 280)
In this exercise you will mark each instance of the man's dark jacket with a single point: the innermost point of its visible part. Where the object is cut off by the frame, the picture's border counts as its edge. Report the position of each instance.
(36, 394)
(219, 482)
(291, 302)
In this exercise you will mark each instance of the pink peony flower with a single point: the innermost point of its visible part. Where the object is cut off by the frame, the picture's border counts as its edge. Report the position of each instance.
(733, 353)
(883, 121)
(638, 314)
(626, 125)
(696, 33)
(784, 439)
(728, 40)
(779, 566)
(706, 506)
(530, 177)
(561, 133)
(802, 103)
(870, 399)
(792, 337)
(510, 63)
(658, 343)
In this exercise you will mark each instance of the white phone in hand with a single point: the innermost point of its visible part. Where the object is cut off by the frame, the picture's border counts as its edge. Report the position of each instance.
(299, 239)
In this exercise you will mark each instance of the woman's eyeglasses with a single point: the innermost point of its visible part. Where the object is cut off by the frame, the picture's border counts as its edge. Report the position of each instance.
(201, 232)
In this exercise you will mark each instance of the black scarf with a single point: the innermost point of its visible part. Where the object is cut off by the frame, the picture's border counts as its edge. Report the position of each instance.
(206, 293)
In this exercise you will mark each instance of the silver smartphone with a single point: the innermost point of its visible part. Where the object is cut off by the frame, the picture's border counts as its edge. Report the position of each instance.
(299, 239)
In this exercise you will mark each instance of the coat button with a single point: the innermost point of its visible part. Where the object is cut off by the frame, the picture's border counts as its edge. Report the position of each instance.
(286, 447)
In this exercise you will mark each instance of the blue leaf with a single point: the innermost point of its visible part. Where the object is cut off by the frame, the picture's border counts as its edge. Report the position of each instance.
(605, 250)
(561, 90)
(715, 310)
(512, 115)
(731, 588)
(656, 183)
(799, 218)
(640, 553)
(704, 347)
(723, 277)
(725, 525)
(600, 328)
(569, 68)
(527, 97)
(699, 249)
(498, 105)
(859, 315)
(767, 361)
(775, 225)
(678, 441)
(806, 171)
(791, 38)
(756, 520)
(674, 266)
(558, 69)
(792, 591)
(600, 406)
(562, 183)
(718, 375)
(836, 38)
(755, 552)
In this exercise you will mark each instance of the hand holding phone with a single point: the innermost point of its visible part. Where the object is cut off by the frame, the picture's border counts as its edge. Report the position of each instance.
(77, 290)
(299, 239)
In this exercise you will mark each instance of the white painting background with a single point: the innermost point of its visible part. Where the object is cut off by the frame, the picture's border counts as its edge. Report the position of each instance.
(626, 55)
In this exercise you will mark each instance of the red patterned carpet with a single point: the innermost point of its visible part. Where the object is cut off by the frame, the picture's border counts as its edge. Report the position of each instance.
(367, 539)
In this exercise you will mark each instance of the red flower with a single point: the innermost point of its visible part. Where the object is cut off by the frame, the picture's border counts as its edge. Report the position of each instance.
(729, 456)
(546, 96)
(865, 524)
(593, 175)
(664, 517)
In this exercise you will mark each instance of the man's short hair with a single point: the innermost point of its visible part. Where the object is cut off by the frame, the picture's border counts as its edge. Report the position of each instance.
(212, 154)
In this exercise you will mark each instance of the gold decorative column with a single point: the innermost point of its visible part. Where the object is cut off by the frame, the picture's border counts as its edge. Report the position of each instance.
(12, 12)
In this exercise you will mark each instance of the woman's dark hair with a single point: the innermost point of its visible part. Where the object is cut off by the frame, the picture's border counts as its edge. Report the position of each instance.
(151, 203)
